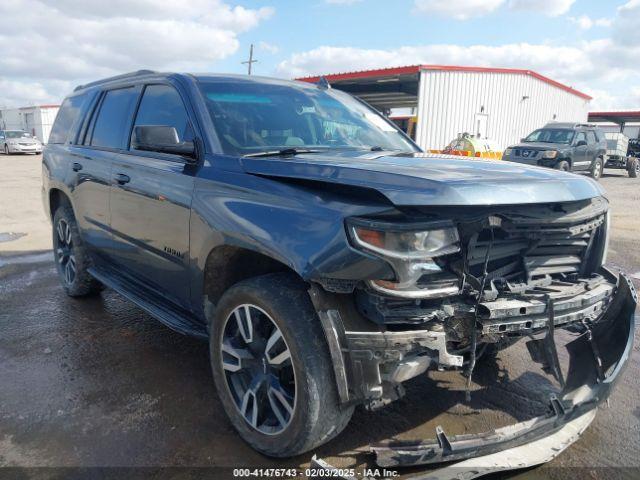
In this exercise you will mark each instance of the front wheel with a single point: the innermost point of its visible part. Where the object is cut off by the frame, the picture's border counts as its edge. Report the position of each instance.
(272, 367)
(563, 165)
(596, 169)
(633, 167)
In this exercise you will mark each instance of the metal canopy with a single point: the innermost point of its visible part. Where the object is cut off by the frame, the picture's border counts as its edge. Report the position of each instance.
(383, 92)
(620, 117)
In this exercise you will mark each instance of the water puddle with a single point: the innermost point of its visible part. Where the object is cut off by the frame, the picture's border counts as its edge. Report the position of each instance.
(10, 236)
(22, 259)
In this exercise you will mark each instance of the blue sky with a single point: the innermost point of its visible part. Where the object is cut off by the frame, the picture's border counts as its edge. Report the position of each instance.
(591, 45)
(299, 26)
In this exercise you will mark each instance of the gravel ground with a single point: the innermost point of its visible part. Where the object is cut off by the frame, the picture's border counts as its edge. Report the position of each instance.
(99, 383)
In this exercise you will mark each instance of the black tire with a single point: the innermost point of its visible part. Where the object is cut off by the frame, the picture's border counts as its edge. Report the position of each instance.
(563, 165)
(70, 255)
(317, 415)
(6, 149)
(597, 169)
(633, 167)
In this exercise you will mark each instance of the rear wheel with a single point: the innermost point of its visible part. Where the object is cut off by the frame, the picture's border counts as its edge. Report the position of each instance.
(563, 165)
(633, 167)
(72, 259)
(272, 368)
(597, 168)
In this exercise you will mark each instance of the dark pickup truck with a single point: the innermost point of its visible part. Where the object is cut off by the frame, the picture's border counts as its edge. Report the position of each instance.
(570, 147)
(325, 258)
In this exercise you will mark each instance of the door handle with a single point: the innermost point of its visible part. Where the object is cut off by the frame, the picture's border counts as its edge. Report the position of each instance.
(121, 178)
(76, 167)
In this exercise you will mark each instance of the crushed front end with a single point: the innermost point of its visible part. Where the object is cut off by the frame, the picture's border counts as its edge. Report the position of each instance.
(472, 279)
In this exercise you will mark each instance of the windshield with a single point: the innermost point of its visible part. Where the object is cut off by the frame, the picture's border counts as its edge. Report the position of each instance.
(252, 117)
(17, 134)
(551, 135)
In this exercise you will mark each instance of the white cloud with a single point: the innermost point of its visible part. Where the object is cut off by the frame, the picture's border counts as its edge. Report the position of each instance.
(551, 8)
(457, 9)
(585, 22)
(65, 42)
(268, 47)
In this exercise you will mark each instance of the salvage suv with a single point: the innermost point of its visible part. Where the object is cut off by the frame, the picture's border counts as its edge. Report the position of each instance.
(324, 257)
(570, 147)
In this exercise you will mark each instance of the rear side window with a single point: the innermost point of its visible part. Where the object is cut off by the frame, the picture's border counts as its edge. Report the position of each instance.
(111, 125)
(591, 137)
(162, 105)
(67, 115)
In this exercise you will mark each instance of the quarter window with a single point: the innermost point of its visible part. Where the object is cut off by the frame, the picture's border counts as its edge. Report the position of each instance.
(113, 118)
(69, 111)
(162, 105)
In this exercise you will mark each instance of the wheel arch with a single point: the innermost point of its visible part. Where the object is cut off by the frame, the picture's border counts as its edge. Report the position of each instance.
(227, 265)
(56, 198)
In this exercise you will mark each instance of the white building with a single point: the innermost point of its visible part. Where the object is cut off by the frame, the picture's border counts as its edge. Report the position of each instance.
(501, 104)
(37, 120)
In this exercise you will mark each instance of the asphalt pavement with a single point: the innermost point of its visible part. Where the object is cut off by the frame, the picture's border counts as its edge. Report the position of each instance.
(99, 383)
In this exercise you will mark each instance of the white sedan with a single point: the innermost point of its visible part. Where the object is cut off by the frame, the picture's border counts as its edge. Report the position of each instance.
(18, 141)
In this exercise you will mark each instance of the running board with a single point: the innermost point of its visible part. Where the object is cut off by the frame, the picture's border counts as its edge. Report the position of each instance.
(173, 317)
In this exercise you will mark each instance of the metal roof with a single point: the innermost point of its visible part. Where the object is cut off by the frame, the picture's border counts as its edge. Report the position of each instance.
(623, 116)
(388, 74)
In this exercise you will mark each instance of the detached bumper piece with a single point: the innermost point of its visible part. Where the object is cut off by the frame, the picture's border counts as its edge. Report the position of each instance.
(597, 357)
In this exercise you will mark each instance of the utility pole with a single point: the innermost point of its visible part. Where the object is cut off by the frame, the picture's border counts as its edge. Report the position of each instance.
(251, 61)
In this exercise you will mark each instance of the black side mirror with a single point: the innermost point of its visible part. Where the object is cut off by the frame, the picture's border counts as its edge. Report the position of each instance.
(581, 143)
(162, 139)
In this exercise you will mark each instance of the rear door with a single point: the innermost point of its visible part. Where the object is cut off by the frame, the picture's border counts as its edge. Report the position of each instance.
(100, 139)
(581, 152)
(151, 202)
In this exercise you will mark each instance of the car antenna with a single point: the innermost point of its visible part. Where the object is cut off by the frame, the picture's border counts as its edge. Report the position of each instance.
(323, 83)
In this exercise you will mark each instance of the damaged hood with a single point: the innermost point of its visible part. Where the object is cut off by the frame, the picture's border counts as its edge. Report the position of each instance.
(428, 179)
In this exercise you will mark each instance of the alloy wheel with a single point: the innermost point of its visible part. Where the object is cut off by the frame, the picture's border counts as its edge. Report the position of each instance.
(64, 251)
(258, 369)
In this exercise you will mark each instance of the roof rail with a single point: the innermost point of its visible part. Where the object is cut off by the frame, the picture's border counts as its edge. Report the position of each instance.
(137, 73)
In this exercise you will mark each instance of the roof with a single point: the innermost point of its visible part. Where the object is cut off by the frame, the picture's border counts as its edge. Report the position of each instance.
(415, 69)
(621, 116)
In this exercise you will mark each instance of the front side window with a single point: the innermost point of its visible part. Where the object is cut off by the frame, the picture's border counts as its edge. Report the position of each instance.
(110, 129)
(162, 105)
(551, 135)
(66, 117)
(253, 117)
(581, 137)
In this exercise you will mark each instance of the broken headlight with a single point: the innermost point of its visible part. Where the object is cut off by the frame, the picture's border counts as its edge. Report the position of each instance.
(412, 251)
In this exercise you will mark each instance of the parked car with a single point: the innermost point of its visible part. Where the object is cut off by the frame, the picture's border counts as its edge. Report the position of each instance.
(18, 141)
(570, 147)
(324, 258)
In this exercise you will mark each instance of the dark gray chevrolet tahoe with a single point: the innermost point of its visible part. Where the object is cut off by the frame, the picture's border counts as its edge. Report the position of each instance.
(324, 257)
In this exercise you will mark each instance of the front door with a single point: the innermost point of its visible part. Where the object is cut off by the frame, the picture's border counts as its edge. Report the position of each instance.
(151, 202)
(581, 152)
